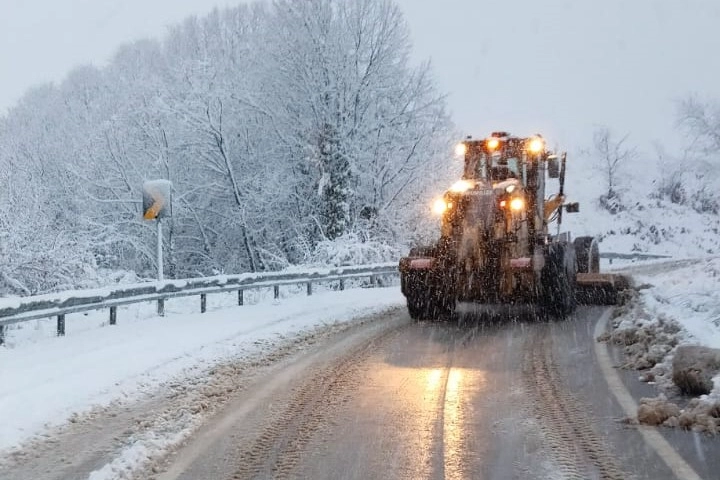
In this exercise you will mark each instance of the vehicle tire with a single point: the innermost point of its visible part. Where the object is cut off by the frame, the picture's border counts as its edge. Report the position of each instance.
(588, 255)
(426, 294)
(415, 308)
(425, 307)
(559, 281)
(440, 307)
(414, 287)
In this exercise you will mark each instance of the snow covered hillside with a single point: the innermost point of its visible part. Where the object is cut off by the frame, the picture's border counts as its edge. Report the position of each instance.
(648, 221)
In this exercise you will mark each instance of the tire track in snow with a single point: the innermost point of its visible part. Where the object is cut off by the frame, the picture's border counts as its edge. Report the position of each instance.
(578, 449)
(278, 449)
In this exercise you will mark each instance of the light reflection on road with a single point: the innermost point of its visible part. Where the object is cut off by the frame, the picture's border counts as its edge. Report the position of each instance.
(453, 421)
(448, 394)
(434, 376)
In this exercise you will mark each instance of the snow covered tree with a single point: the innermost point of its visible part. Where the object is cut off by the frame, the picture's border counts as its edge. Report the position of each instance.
(345, 68)
(289, 130)
(335, 183)
(612, 156)
(701, 122)
(673, 172)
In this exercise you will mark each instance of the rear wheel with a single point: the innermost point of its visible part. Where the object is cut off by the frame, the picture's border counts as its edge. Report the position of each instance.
(428, 306)
(558, 280)
(440, 307)
(424, 300)
(415, 309)
(588, 255)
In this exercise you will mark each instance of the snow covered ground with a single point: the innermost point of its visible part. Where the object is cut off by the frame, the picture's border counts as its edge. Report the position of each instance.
(688, 292)
(678, 304)
(45, 380)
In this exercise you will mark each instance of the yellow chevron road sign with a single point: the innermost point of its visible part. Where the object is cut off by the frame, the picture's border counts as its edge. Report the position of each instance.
(157, 199)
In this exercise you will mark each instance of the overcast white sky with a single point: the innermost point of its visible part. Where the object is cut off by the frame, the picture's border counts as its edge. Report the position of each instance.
(558, 67)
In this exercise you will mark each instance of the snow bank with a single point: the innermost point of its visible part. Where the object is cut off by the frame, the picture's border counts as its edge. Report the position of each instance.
(45, 380)
(677, 305)
(694, 367)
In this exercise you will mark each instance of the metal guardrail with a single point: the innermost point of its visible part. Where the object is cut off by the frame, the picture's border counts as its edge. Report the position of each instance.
(632, 256)
(58, 305)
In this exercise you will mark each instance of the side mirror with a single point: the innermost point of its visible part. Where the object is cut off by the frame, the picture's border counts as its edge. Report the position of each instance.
(553, 166)
(572, 207)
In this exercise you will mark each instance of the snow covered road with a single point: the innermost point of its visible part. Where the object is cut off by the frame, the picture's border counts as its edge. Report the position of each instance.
(44, 381)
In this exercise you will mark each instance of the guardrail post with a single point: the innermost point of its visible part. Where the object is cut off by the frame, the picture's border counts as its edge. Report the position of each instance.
(113, 315)
(241, 297)
(342, 284)
(276, 291)
(161, 307)
(309, 288)
(203, 302)
(61, 325)
(373, 281)
(2, 334)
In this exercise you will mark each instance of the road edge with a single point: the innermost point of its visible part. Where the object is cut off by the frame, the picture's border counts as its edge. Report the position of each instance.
(650, 435)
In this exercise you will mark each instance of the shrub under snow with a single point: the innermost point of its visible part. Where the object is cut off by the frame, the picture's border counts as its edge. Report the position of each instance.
(352, 249)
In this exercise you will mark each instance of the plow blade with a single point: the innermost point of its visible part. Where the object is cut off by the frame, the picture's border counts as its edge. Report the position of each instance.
(600, 288)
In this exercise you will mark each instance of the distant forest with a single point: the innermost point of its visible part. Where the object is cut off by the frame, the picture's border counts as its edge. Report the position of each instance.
(297, 132)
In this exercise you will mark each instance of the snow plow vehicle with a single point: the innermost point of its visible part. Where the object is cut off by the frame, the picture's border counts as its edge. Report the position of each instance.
(495, 244)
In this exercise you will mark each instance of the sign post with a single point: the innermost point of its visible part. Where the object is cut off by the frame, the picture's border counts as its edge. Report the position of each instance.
(157, 204)
(161, 277)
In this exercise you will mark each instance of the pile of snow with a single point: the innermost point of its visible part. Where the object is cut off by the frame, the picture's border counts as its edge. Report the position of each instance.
(677, 304)
(694, 367)
(647, 340)
(656, 411)
(700, 415)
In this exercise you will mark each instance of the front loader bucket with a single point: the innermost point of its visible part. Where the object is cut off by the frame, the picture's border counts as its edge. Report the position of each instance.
(601, 288)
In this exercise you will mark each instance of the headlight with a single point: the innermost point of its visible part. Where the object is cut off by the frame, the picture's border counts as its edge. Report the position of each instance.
(536, 145)
(439, 206)
(461, 186)
(517, 204)
(460, 149)
(492, 143)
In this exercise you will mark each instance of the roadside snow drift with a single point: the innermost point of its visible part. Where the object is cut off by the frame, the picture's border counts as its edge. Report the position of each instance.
(678, 306)
(45, 380)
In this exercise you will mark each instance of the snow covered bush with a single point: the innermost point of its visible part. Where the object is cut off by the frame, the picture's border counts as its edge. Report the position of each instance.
(352, 249)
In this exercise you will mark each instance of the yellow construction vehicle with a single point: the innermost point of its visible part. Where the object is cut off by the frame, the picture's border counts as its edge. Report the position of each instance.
(495, 244)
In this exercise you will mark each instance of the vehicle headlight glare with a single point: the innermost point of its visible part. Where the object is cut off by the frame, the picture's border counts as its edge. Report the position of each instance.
(536, 145)
(439, 206)
(517, 204)
(461, 186)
